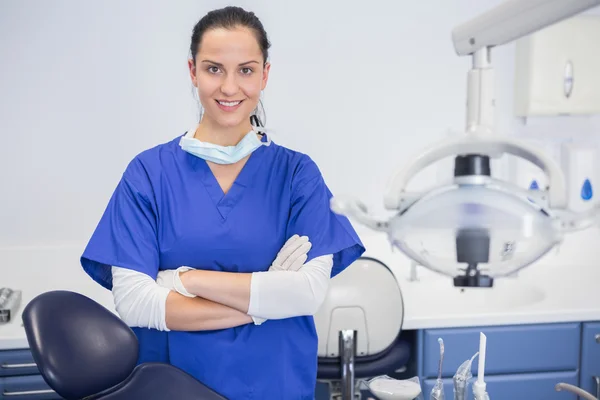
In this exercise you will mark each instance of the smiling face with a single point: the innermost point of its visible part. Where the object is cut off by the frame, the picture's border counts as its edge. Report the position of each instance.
(230, 73)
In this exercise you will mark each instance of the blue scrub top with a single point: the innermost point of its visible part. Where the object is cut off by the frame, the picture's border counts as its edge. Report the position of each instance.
(168, 210)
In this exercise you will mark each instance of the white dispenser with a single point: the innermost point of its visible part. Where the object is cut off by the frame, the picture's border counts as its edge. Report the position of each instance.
(580, 166)
(557, 69)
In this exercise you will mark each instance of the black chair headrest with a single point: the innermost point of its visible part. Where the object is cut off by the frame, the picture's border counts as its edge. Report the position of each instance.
(80, 347)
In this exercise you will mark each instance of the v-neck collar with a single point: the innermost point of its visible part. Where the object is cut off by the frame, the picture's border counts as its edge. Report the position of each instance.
(224, 203)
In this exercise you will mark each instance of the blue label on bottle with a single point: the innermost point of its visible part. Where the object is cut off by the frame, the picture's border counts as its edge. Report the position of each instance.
(586, 190)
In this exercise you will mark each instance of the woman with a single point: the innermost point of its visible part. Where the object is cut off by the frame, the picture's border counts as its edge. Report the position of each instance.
(219, 245)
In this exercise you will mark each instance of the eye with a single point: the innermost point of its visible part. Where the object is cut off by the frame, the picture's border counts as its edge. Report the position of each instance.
(212, 69)
(246, 71)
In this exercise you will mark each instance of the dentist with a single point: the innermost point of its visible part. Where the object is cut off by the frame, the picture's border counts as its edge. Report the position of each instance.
(219, 245)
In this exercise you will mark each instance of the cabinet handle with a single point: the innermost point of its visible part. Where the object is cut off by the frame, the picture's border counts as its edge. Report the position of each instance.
(15, 366)
(597, 337)
(28, 393)
(597, 380)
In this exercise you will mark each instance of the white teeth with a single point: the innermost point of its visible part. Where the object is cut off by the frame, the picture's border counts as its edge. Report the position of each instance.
(229, 103)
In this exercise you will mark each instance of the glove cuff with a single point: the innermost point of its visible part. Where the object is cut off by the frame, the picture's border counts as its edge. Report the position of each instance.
(258, 320)
(178, 285)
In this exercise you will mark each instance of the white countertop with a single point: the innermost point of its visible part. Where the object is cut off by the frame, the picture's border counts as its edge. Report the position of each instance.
(38, 270)
(548, 292)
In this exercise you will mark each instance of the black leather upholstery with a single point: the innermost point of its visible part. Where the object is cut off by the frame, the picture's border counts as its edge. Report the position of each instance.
(80, 347)
(394, 357)
(159, 381)
(84, 350)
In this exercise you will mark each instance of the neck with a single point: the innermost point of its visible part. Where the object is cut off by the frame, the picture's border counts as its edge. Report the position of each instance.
(210, 132)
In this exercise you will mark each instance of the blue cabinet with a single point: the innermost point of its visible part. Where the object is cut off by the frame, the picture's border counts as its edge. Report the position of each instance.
(510, 349)
(20, 378)
(17, 362)
(522, 361)
(590, 358)
(29, 387)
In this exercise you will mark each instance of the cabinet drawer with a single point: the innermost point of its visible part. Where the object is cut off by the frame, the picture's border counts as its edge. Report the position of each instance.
(590, 357)
(516, 387)
(17, 362)
(510, 349)
(31, 387)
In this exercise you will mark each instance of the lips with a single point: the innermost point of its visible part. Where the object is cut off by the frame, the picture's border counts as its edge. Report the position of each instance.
(229, 105)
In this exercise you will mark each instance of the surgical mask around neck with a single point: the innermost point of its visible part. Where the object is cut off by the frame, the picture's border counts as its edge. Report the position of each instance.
(223, 154)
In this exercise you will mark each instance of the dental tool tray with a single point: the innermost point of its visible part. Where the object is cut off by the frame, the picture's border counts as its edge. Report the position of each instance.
(10, 300)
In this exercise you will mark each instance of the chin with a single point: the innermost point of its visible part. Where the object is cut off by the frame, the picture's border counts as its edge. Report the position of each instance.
(230, 121)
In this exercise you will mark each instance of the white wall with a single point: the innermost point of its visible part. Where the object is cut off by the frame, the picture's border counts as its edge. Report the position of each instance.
(85, 86)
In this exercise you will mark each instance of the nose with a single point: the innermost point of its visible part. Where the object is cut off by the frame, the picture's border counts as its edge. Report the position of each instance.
(229, 85)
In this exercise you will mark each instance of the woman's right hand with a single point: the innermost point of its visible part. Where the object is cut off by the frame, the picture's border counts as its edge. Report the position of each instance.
(292, 255)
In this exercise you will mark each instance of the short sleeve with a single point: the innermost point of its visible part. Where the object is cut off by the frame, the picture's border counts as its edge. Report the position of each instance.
(311, 215)
(126, 235)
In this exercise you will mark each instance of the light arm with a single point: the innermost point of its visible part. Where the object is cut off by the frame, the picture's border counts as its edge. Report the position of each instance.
(512, 20)
(228, 288)
(141, 302)
(269, 294)
(198, 314)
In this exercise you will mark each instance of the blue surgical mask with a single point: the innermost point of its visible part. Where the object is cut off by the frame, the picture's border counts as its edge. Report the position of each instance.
(222, 154)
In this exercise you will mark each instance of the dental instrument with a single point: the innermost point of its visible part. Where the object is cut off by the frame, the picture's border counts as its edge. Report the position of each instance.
(461, 378)
(477, 228)
(437, 392)
(479, 386)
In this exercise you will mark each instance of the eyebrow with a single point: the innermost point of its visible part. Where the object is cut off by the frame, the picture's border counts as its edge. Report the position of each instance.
(220, 65)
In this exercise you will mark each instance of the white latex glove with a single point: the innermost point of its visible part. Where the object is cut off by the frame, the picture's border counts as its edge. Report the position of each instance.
(170, 279)
(291, 257)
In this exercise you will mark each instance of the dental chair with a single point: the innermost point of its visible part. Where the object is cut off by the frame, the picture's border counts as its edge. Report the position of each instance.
(84, 351)
(359, 326)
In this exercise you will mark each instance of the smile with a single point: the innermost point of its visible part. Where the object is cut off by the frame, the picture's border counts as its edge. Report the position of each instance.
(229, 105)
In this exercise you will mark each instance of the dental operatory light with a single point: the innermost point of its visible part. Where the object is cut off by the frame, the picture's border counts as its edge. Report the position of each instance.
(477, 228)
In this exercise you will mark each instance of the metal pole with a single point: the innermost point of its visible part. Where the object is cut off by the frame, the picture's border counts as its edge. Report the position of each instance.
(347, 353)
